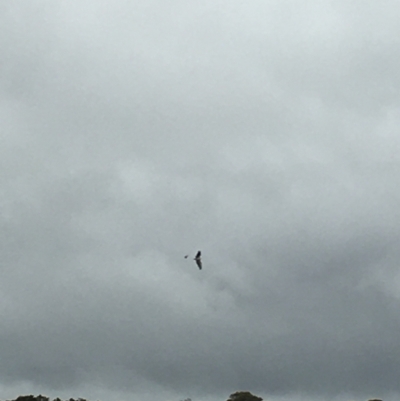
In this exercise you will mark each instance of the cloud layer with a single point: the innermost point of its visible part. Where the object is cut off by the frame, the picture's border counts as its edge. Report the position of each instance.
(264, 134)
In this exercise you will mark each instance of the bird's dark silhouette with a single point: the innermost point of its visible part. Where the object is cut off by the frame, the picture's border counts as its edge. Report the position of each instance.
(198, 260)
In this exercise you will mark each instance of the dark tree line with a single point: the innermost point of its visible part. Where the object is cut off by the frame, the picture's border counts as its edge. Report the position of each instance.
(238, 396)
(42, 398)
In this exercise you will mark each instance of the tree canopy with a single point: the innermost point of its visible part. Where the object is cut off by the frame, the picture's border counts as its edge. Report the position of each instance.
(243, 396)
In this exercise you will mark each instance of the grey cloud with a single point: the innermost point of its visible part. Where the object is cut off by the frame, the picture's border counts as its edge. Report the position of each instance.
(265, 135)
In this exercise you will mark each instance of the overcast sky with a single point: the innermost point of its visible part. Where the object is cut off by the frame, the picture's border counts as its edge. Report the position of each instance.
(265, 133)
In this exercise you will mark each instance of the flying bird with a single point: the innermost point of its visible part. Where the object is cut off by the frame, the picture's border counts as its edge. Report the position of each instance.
(186, 256)
(198, 259)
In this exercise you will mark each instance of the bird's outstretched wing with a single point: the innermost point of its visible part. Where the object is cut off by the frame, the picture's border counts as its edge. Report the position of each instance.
(198, 255)
(199, 264)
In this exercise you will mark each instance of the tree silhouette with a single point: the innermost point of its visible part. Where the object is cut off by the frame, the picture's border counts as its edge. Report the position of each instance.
(243, 396)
